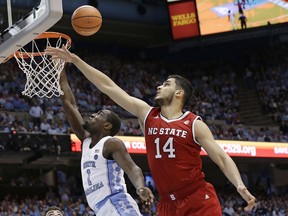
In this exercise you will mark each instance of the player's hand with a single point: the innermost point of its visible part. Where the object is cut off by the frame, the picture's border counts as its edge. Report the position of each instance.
(146, 195)
(59, 53)
(246, 195)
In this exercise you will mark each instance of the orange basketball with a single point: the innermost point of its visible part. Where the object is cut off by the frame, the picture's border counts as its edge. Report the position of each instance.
(86, 20)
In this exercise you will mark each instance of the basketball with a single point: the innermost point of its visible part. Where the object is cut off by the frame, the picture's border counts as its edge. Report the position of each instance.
(86, 20)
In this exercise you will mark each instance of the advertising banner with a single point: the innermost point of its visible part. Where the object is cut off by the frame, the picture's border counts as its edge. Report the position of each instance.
(183, 19)
(136, 145)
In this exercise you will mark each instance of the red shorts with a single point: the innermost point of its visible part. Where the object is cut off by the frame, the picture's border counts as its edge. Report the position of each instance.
(202, 202)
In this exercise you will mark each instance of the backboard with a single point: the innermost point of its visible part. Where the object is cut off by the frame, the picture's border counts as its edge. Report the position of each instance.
(22, 21)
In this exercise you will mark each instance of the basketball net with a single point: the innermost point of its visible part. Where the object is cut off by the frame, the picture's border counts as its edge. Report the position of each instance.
(42, 73)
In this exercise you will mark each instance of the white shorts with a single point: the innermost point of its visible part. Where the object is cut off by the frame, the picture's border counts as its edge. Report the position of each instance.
(121, 204)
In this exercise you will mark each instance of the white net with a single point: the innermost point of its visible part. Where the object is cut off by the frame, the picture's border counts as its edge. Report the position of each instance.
(42, 73)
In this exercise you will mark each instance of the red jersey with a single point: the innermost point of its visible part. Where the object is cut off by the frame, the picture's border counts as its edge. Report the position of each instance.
(172, 151)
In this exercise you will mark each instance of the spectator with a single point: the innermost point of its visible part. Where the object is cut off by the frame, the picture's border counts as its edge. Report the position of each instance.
(45, 126)
(228, 210)
(284, 127)
(62, 128)
(49, 113)
(53, 128)
(36, 113)
(54, 211)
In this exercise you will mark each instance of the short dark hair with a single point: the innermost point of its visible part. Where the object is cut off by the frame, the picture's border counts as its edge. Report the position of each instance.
(115, 120)
(53, 208)
(185, 85)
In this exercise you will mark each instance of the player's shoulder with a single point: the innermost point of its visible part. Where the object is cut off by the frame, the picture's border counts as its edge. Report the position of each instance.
(153, 113)
(155, 110)
(113, 139)
(114, 142)
(112, 145)
(192, 115)
(86, 142)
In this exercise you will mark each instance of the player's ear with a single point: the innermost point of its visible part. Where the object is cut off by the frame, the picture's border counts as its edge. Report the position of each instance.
(179, 93)
(108, 126)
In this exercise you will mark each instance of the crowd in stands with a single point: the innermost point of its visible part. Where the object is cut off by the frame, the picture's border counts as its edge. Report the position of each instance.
(68, 196)
(232, 205)
(215, 96)
(269, 71)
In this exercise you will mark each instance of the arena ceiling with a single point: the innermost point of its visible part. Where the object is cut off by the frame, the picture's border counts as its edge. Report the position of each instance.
(137, 35)
(140, 35)
(124, 33)
(121, 33)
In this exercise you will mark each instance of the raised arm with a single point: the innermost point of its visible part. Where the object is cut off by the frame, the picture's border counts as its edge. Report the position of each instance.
(115, 148)
(133, 105)
(204, 136)
(69, 104)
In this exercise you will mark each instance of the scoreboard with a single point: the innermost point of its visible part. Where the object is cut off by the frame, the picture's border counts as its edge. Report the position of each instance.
(193, 18)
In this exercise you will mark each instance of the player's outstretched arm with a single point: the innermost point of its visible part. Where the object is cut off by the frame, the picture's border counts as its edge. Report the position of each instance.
(69, 105)
(133, 105)
(115, 148)
(205, 138)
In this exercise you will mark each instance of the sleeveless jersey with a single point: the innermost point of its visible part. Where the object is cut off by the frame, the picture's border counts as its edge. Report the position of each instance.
(172, 151)
(101, 178)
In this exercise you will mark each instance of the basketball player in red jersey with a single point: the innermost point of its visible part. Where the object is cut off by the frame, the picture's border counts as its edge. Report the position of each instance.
(173, 139)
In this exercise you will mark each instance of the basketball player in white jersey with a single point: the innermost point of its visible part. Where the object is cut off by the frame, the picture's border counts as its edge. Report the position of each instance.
(104, 160)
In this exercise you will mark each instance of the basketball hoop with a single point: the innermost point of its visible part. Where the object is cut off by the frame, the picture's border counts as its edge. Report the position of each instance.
(42, 73)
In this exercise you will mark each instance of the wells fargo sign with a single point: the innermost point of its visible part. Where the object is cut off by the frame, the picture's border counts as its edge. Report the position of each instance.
(183, 19)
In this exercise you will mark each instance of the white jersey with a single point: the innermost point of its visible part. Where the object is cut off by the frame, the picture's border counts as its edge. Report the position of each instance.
(104, 183)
